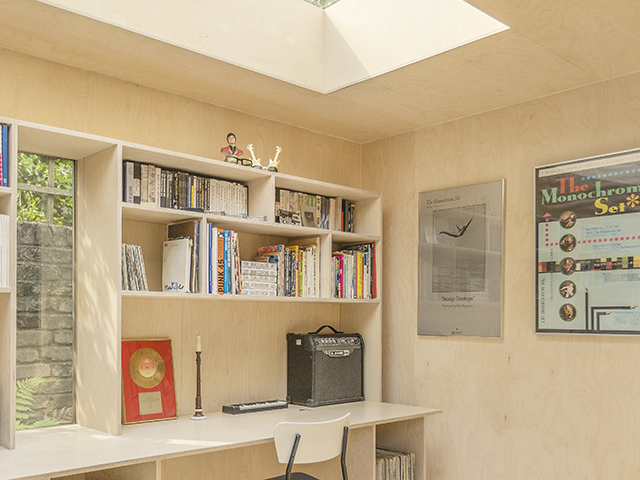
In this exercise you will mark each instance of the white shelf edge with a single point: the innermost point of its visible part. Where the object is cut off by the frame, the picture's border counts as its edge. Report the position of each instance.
(245, 298)
(144, 213)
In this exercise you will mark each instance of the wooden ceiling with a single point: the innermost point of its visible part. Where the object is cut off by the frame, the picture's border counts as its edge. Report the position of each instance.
(551, 46)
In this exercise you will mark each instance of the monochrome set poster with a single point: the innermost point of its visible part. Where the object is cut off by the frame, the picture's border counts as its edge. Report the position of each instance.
(588, 245)
(460, 261)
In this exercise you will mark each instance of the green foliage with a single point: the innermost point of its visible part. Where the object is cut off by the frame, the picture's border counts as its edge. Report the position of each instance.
(33, 169)
(32, 205)
(26, 405)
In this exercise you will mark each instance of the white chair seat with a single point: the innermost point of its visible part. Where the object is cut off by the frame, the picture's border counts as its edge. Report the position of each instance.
(310, 442)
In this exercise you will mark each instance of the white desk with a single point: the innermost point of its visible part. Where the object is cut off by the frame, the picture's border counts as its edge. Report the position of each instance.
(149, 450)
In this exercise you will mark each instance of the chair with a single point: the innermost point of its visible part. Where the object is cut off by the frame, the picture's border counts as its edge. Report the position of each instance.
(311, 442)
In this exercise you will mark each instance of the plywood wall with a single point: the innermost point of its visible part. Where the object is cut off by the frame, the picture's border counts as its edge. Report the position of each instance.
(52, 94)
(526, 406)
(39, 91)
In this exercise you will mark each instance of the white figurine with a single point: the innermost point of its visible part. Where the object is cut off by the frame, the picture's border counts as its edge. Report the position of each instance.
(275, 163)
(255, 162)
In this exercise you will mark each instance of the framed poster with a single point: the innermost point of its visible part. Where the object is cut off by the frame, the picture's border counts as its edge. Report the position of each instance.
(460, 261)
(148, 391)
(588, 245)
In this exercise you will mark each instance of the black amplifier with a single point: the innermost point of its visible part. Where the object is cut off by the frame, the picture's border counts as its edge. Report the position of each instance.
(323, 369)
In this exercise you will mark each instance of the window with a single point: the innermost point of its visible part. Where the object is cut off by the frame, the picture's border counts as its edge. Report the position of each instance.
(45, 302)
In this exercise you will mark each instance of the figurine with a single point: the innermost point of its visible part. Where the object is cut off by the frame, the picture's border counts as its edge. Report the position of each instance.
(275, 163)
(231, 152)
(256, 162)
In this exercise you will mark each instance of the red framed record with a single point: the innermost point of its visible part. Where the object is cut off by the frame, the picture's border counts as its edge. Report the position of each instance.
(148, 390)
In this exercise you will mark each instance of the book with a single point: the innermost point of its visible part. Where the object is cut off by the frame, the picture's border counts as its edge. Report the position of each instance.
(220, 263)
(189, 229)
(176, 265)
(2, 140)
(127, 182)
(212, 258)
(276, 255)
(5, 250)
(5, 155)
(307, 251)
(137, 179)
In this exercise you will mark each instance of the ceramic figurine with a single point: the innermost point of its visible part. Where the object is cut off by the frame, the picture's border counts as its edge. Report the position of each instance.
(255, 162)
(231, 152)
(275, 163)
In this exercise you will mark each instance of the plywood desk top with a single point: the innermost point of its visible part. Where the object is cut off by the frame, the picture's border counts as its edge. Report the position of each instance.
(74, 449)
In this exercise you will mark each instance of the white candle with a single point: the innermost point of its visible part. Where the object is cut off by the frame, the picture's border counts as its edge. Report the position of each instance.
(198, 344)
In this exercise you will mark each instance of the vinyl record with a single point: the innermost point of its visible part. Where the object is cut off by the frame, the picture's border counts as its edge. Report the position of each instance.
(146, 367)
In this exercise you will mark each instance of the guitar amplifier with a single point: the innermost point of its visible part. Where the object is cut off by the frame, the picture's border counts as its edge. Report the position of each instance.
(323, 369)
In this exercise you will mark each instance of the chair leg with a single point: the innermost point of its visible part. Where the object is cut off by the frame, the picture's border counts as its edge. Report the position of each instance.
(343, 455)
(287, 474)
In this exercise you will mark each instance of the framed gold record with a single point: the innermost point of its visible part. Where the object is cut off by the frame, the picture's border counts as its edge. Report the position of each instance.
(148, 391)
(146, 367)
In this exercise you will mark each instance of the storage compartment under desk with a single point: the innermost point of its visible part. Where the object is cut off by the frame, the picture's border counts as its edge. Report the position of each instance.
(140, 471)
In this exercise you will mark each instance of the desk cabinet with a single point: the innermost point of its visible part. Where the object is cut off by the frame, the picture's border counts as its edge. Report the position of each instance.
(243, 337)
(223, 447)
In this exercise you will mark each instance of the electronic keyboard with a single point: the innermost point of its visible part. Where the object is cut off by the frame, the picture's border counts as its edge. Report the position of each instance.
(254, 407)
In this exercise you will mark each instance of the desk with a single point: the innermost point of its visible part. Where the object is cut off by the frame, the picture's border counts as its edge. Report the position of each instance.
(220, 447)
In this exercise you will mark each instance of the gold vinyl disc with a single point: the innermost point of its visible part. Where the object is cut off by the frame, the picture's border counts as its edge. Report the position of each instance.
(146, 368)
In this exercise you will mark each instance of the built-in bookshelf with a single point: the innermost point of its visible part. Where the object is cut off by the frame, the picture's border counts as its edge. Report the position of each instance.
(109, 228)
(243, 335)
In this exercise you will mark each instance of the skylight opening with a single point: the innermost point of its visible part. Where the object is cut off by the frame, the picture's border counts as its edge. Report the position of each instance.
(322, 3)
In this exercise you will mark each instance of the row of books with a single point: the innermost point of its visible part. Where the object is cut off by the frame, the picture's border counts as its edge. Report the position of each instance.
(277, 270)
(4, 155)
(134, 276)
(5, 250)
(298, 267)
(394, 465)
(147, 184)
(308, 210)
(353, 271)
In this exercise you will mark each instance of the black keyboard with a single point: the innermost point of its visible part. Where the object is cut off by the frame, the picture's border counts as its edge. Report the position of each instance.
(254, 407)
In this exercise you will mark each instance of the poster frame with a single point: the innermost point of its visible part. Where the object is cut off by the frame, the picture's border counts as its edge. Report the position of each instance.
(470, 302)
(582, 175)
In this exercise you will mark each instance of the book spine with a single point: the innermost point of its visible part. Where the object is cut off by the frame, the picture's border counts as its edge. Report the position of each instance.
(2, 142)
(259, 265)
(220, 263)
(137, 181)
(257, 291)
(5, 155)
(210, 264)
(251, 277)
(144, 184)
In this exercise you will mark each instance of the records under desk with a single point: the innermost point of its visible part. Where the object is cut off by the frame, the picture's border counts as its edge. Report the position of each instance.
(394, 464)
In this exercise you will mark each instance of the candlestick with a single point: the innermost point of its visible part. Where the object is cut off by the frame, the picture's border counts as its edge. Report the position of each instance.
(198, 415)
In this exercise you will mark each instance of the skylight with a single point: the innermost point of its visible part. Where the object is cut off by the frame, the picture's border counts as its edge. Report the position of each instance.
(322, 3)
(303, 43)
